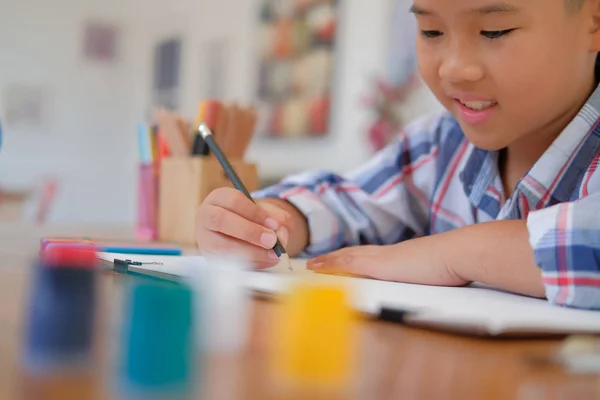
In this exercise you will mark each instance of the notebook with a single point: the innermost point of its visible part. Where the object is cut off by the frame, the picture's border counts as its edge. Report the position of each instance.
(474, 310)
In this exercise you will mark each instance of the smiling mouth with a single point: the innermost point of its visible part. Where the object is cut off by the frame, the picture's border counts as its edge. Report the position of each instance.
(478, 105)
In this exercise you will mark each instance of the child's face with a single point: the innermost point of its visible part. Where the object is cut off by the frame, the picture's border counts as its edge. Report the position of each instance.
(525, 66)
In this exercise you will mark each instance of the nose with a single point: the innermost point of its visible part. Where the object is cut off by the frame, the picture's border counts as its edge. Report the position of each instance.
(460, 64)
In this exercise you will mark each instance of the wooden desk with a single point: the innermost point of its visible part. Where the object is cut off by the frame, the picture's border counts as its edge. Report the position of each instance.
(12, 205)
(395, 362)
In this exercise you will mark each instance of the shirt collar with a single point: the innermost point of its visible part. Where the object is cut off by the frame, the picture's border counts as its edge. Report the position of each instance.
(479, 172)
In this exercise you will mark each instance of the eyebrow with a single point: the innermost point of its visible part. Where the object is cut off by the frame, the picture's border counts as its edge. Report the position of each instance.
(484, 10)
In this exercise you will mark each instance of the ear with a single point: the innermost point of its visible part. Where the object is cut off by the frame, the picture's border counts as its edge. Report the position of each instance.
(593, 14)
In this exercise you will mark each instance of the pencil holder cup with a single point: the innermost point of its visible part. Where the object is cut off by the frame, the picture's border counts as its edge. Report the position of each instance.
(147, 212)
(184, 184)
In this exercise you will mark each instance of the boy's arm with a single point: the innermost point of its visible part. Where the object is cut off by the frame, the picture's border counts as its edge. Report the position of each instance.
(496, 253)
(554, 254)
(566, 243)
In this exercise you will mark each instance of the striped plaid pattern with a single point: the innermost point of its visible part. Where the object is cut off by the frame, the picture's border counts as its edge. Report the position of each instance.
(431, 180)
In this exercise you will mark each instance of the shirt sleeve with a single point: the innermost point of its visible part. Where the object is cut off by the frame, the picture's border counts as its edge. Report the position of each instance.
(383, 202)
(566, 243)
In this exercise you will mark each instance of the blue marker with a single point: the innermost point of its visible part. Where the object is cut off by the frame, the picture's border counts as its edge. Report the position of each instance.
(141, 250)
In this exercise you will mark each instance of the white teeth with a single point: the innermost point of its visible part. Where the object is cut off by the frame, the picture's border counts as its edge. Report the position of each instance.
(478, 105)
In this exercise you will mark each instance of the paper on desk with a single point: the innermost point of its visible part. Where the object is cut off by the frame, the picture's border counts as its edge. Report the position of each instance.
(475, 309)
(184, 265)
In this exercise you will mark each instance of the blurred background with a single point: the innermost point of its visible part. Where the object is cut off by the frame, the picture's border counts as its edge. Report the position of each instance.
(331, 80)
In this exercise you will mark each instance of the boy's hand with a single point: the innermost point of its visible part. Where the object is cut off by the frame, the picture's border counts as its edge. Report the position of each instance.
(413, 261)
(228, 222)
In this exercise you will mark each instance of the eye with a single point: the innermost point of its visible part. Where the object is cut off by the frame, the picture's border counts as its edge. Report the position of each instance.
(496, 34)
(431, 34)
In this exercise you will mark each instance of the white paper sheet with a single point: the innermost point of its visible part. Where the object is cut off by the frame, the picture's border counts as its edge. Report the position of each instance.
(475, 309)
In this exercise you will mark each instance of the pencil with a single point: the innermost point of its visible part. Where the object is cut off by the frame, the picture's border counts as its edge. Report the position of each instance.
(236, 181)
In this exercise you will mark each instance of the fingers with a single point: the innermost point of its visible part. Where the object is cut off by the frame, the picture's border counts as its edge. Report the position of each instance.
(281, 216)
(218, 219)
(235, 201)
(284, 236)
(227, 221)
(353, 261)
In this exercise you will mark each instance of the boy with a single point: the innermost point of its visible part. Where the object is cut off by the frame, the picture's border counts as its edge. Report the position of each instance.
(502, 189)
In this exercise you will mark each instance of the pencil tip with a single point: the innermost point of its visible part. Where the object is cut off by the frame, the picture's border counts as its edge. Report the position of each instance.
(286, 259)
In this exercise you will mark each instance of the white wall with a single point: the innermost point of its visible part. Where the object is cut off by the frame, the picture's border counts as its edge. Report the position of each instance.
(87, 141)
(90, 140)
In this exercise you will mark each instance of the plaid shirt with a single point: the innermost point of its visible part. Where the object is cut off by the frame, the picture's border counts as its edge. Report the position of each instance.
(431, 180)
